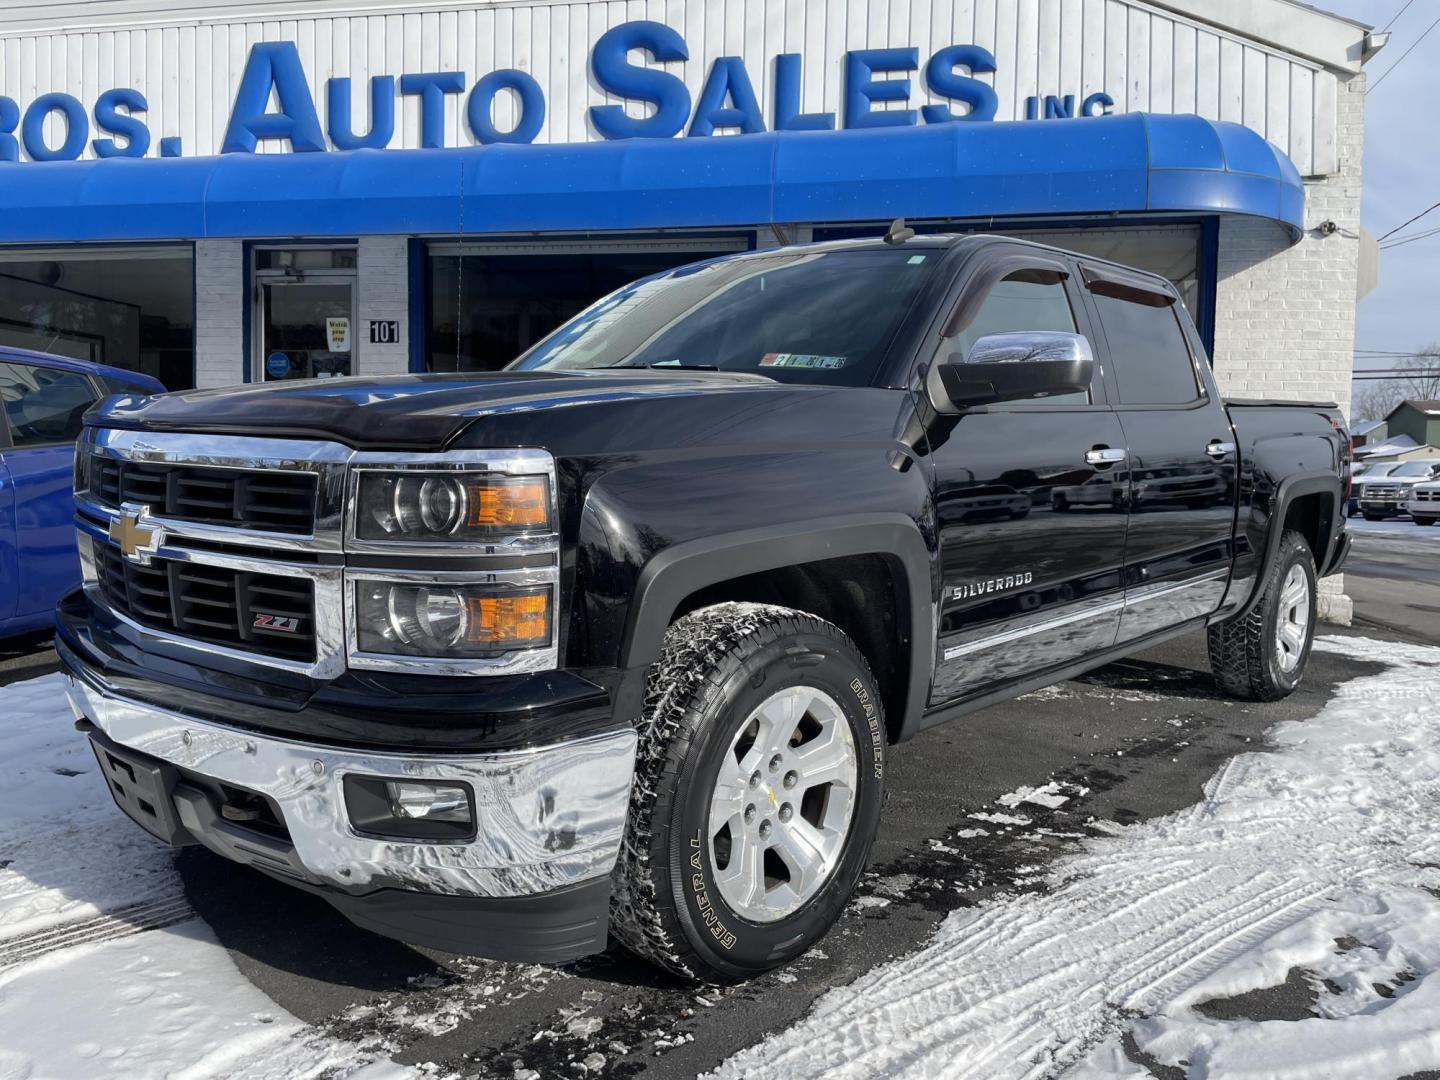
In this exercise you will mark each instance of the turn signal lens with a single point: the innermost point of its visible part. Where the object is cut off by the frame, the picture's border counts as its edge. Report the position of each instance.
(514, 621)
(522, 503)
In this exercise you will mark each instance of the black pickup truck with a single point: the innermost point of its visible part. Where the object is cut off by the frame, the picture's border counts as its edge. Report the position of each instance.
(616, 640)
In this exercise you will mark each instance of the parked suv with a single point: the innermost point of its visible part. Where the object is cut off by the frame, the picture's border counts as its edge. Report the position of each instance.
(1386, 496)
(42, 400)
(617, 640)
(1423, 505)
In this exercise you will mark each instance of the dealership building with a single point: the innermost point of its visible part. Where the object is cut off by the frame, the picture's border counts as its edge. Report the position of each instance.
(251, 190)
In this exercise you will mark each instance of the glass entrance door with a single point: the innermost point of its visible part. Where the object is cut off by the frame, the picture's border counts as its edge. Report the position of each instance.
(306, 328)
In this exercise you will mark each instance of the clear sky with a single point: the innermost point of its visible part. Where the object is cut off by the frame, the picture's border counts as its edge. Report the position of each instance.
(1401, 172)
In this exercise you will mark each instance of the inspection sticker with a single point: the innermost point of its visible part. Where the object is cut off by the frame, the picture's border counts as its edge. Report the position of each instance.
(803, 360)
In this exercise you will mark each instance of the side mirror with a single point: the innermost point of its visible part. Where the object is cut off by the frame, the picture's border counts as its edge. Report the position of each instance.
(1011, 367)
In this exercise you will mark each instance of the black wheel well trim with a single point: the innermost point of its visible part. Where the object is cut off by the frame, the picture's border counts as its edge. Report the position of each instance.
(671, 575)
(1292, 489)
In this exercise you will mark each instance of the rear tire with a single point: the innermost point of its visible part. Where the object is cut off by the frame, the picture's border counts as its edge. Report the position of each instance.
(709, 853)
(1262, 655)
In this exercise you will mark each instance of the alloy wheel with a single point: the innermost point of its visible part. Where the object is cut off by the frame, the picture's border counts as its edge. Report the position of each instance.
(782, 802)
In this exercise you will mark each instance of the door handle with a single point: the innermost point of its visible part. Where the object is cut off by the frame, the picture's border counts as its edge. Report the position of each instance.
(1218, 449)
(1103, 456)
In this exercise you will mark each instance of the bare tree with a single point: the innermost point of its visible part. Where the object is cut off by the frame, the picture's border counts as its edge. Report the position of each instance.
(1421, 381)
(1418, 379)
(1374, 400)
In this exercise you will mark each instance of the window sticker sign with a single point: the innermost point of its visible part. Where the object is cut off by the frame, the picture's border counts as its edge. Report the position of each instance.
(803, 360)
(337, 334)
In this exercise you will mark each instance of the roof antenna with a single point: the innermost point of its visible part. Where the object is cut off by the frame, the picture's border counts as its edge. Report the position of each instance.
(898, 232)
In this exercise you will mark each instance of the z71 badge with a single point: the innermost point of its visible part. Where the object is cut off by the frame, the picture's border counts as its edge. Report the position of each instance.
(284, 623)
(971, 589)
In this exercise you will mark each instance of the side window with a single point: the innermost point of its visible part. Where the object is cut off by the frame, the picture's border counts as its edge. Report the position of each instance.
(1148, 352)
(43, 406)
(1024, 300)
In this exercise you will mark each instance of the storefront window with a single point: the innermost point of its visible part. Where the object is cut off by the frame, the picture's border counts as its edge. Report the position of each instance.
(490, 303)
(131, 308)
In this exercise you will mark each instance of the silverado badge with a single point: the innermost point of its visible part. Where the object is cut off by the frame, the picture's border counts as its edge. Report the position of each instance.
(138, 539)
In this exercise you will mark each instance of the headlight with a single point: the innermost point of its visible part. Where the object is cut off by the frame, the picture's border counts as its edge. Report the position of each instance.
(450, 507)
(458, 621)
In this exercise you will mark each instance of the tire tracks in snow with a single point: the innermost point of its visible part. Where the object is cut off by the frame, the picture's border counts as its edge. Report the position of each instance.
(1028, 984)
(108, 926)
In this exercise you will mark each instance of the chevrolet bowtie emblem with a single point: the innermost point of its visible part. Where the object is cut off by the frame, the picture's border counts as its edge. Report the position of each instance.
(137, 538)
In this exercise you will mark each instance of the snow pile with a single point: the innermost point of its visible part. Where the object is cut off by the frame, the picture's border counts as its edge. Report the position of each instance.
(104, 971)
(1323, 855)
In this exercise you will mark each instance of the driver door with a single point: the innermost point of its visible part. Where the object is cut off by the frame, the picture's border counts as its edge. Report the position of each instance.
(1031, 498)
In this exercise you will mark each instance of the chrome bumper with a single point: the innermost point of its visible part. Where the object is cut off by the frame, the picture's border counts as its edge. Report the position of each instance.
(547, 818)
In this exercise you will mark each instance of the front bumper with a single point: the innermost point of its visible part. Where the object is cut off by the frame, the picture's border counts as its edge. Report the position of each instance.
(549, 819)
(1382, 506)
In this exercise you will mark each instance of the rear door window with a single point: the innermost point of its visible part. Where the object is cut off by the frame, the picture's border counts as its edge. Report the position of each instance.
(1151, 360)
(43, 407)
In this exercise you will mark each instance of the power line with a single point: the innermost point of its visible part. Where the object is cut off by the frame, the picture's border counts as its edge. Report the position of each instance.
(1386, 73)
(1402, 241)
(1397, 15)
(1414, 219)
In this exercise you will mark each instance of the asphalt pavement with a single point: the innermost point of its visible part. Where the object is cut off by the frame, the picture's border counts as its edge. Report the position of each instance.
(1393, 576)
(1139, 738)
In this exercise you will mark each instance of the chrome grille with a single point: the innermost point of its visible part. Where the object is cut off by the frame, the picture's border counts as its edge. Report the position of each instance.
(281, 502)
(217, 604)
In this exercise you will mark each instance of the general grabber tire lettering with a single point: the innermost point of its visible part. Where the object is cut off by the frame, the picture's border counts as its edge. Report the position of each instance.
(756, 718)
(1262, 656)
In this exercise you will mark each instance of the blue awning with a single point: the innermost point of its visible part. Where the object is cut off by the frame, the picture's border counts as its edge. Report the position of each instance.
(1134, 163)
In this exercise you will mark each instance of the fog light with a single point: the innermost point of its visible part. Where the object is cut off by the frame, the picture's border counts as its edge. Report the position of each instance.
(419, 811)
(431, 802)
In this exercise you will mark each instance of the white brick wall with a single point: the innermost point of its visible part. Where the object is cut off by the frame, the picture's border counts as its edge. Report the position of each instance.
(384, 293)
(220, 282)
(1285, 316)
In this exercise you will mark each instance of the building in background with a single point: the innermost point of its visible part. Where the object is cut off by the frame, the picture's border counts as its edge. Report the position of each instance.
(1418, 419)
(212, 195)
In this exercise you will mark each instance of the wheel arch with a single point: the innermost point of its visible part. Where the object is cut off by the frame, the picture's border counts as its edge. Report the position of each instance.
(673, 578)
(1310, 503)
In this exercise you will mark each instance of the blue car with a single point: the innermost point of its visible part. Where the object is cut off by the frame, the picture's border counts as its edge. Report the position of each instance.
(42, 401)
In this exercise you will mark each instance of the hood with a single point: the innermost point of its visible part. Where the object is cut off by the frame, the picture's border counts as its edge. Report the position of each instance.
(411, 412)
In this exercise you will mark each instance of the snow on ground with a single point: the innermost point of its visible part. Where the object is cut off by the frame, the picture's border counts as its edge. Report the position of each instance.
(1319, 857)
(104, 971)
(64, 854)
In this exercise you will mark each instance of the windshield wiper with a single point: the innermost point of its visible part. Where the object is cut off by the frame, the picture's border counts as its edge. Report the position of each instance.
(676, 365)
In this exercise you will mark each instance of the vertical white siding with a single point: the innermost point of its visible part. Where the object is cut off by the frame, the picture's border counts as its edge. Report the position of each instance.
(384, 293)
(1143, 57)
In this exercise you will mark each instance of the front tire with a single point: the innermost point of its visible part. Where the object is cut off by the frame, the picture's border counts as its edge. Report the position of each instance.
(1424, 520)
(758, 786)
(1262, 656)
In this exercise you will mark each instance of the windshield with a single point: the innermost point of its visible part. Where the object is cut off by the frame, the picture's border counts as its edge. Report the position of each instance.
(1415, 468)
(805, 316)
